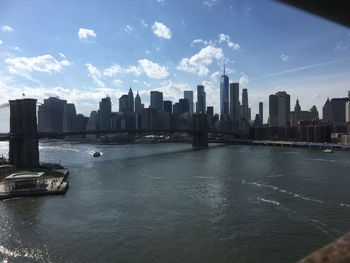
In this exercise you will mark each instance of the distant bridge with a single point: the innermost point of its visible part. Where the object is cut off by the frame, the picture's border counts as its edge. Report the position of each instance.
(24, 137)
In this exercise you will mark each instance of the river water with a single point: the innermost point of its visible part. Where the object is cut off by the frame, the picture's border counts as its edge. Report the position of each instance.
(169, 203)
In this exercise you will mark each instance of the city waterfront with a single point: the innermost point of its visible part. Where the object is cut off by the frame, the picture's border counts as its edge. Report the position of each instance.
(169, 203)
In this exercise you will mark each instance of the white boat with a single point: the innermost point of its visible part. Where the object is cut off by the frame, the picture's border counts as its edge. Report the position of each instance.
(328, 151)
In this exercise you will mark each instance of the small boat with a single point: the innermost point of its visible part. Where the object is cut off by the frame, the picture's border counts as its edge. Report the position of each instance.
(328, 151)
(96, 154)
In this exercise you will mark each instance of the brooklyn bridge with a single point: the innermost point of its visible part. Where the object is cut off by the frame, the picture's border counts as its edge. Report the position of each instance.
(24, 137)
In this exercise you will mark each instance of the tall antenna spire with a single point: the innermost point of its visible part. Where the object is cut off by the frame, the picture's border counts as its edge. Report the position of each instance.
(224, 67)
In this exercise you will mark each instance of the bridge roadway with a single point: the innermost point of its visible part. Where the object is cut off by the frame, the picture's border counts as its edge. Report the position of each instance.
(58, 135)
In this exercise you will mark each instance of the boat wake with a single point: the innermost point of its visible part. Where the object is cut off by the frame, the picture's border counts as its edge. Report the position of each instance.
(275, 188)
(321, 226)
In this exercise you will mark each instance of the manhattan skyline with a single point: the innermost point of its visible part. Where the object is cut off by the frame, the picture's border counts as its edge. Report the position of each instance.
(83, 52)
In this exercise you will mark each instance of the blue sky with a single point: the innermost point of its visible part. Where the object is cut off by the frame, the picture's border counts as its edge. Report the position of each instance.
(84, 50)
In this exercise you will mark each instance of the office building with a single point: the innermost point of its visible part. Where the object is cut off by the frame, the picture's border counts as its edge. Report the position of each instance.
(279, 109)
(156, 100)
(50, 115)
(168, 106)
(245, 108)
(210, 110)
(138, 105)
(224, 94)
(261, 112)
(201, 100)
(188, 95)
(184, 106)
(104, 113)
(234, 102)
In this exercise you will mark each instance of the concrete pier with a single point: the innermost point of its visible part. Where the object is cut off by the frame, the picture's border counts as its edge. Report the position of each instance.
(23, 144)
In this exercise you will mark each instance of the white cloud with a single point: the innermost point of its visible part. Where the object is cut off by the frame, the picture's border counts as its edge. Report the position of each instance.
(212, 94)
(85, 34)
(152, 69)
(136, 71)
(24, 65)
(113, 70)
(18, 49)
(62, 55)
(243, 80)
(161, 30)
(284, 57)
(0, 41)
(200, 41)
(6, 28)
(226, 39)
(210, 3)
(128, 29)
(341, 46)
(144, 23)
(223, 38)
(95, 74)
(118, 82)
(199, 62)
(147, 84)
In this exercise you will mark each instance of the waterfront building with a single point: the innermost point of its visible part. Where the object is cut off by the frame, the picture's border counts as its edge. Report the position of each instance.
(327, 111)
(131, 101)
(176, 108)
(245, 108)
(210, 110)
(201, 100)
(50, 115)
(104, 113)
(234, 102)
(149, 119)
(347, 111)
(156, 100)
(138, 104)
(338, 110)
(261, 112)
(168, 106)
(299, 115)
(334, 111)
(184, 106)
(279, 109)
(224, 95)
(164, 120)
(69, 118)
(188, 95)
(123, 103)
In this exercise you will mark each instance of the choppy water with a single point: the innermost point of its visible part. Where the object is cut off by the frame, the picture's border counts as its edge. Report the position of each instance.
(168, 203)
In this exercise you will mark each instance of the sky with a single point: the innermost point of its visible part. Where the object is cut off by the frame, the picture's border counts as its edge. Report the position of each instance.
(82, 51)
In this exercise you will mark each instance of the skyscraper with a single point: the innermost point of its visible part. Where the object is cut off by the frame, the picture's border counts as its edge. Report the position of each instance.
(234, 102)
(138, 105)
(261, 112)
(168, 106)
(123, 103)
(50, 115)
(327, 111)
(131, 101)
(156, 100)
(188, 95)
(184, 106)
(224, 96)
(104, 113)
(69, 117)
(245, 109)
(279, 109)
(201, 100)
